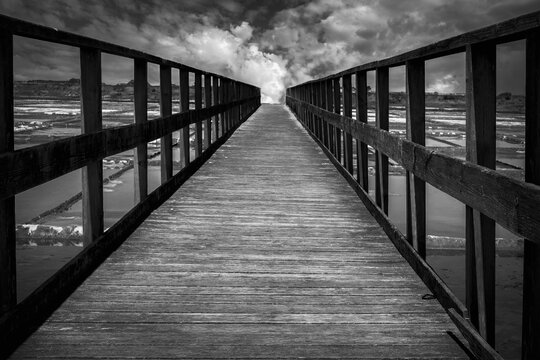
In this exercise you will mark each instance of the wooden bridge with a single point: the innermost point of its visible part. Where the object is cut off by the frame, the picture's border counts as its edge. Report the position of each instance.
(267, 244)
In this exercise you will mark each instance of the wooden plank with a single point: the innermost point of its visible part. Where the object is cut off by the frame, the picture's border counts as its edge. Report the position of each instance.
(215, 96)
(271, 320)
(531, 256)
(27, 316)
(362, 116)
(479, 346)
(416, 187)
(480, 230)
(8, 277)
(207, 104)
(184, 107)
(347, 111)
(337, 110)
(91, 122)
(511, 203)
(198, 105)
(141, 117)
(381, 160)
(165, 108)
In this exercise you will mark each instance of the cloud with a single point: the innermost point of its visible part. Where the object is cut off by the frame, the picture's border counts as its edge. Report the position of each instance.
(269, 44)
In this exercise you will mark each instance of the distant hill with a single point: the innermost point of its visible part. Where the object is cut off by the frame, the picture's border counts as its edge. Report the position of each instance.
(70, 89)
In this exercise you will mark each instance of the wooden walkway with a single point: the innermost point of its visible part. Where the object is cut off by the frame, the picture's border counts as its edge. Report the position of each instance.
(265, 253)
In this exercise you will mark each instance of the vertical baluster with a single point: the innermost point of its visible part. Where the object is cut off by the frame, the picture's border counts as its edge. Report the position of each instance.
(362, 116)
(337, 110)
(330, 107)
(91, 116)
(531, 256)
(381, 160)
(8, 281)
(207, 104)
(324, 127)
(198, 106)
(166, 110)
(416, 188)
(347, 111)
(480, 230)
(215, 94)
(184, 106)
(141, 117)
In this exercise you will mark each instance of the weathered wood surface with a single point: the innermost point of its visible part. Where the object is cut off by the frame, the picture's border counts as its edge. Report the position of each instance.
(266, 252)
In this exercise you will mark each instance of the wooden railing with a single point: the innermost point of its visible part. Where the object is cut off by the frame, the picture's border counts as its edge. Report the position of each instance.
(227, 104)
(489, 196)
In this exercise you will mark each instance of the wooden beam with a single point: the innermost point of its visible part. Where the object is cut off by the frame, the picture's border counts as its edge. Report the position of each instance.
(207, 104)
(416, 187)
(198, 105)
(92, 174)
(362, 116)
(324, 126)
(330, 107)
(531, 256)
(184, 107)
(480, 230)
(337, 110)
(215, 94)
(8, 276)
(166, 110)
(141, 117)
(347, 111)
(381, 160)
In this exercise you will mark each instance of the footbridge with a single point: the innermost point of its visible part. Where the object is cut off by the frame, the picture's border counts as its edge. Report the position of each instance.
(268, 243)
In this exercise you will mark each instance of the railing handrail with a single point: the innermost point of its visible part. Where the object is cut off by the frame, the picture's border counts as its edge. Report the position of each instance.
(500, 33)
(324, 106)
(50, 34)
(227, 103)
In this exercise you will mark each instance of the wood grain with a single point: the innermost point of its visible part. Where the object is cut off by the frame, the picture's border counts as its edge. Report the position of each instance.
(92, 174)
(8, 281)
(245, 260)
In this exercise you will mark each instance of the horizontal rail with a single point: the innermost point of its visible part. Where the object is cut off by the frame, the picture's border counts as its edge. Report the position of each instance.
(324, 108)
(26, 168)
(511, 30)
(45, 33)
(512, 203)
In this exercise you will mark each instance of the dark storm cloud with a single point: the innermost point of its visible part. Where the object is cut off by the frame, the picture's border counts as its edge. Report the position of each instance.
(272, 44)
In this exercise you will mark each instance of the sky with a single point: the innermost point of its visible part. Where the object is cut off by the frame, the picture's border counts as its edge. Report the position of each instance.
(271, 44)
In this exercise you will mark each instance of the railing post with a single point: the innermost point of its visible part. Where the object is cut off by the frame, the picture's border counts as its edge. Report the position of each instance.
(330, 107)
(362, 116)
(92, 174)
(337, 110)
(207, 104)
(347, 111)
(531, 256)
(141, 117)
(480, 230)
(416, 188)
(184, 106)
(215, 94)
(198, 106)
(8, 276)
(166, 110)
(381, 160)
(324, 124)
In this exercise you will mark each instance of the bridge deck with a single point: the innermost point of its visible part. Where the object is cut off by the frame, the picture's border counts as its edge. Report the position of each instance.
(265, 252)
